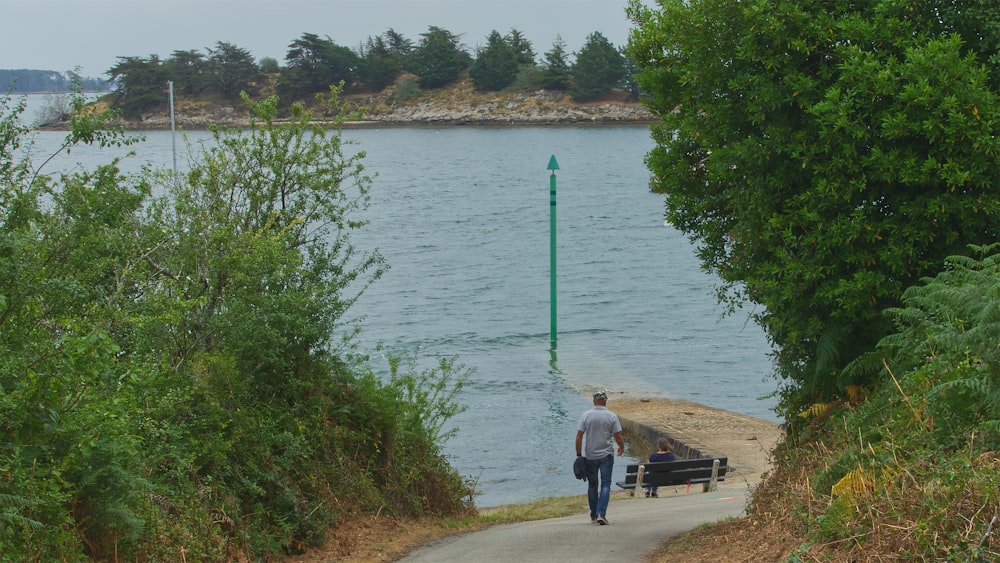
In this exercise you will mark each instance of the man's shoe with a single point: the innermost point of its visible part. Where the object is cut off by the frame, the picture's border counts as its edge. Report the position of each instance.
(602, 521)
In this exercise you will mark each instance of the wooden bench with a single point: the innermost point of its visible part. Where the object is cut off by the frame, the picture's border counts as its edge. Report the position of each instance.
(705, 470)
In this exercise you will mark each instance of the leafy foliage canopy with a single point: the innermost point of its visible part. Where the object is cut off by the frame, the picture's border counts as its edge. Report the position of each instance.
(824, 157)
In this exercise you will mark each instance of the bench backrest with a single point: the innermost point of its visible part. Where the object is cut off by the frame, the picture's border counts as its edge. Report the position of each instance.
(676, 472)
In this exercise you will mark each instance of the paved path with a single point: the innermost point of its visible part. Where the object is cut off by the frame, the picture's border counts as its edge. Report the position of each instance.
(638, 526)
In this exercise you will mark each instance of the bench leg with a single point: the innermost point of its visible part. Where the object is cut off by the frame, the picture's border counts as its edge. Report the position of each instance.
(637, 492)
(713, 483)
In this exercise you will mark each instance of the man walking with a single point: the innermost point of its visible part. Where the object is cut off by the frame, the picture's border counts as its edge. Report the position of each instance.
(599, 425)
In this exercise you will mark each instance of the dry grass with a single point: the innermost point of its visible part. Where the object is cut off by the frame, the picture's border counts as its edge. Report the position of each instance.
(732, 541)
(380, 539)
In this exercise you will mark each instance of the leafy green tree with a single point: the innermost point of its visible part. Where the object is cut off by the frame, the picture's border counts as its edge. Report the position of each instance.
(314, 64)
(188, 70)
(384, 58)
(440, 59)
(232, 70)
(302, 199)
(401, 48)
(496, 64)
(379, 65)
(521, 46)
(629, 83)
(555, 72)
(141, 85)
(598, 69)
(824, 156)
(269, 65)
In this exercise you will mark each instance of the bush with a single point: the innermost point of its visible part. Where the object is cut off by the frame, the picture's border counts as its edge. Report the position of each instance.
(911, 468)
(407, 89)
(167, 378)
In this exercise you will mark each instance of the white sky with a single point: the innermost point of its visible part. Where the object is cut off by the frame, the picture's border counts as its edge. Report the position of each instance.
(62, 34)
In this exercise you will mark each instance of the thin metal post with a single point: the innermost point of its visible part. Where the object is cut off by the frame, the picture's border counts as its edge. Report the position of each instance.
(173, 126)
(553, 166)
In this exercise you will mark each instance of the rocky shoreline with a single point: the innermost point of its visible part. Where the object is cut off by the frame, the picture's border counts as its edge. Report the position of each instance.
(537, 108)
(458, 106)
(431, 115)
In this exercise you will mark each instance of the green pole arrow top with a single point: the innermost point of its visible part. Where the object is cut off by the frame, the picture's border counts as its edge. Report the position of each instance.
(553, 165)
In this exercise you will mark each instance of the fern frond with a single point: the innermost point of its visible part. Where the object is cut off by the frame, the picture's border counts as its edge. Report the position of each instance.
(860, 482)
(981, 386)
(11, 517)
(856, 484)
(18, 520)
(829, 348)
(976, 386)
(12, 500)
(856, 393)
(817, 409)
(865, 367)
(991, 425)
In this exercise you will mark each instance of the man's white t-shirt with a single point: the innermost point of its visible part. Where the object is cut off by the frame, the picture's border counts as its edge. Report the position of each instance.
(599, 426)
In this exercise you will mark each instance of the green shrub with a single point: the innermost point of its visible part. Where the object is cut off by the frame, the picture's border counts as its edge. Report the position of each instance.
(529, 77)
(168, 384)
(407, 89)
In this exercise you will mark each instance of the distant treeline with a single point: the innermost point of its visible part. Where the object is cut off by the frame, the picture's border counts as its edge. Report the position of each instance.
(313, 63)
(25, 81)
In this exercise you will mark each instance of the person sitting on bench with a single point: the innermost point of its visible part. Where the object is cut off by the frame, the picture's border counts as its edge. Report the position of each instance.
(662, 453)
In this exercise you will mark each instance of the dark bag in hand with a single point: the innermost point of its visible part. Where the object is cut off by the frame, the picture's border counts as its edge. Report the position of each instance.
(580, 467)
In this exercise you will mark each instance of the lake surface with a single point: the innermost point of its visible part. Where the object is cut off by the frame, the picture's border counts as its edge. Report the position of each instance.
(462, 216)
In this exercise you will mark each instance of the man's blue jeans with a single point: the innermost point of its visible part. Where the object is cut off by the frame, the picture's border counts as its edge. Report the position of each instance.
(599, 501)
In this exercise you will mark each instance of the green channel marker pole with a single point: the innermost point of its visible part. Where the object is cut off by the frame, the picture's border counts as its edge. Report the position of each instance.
(553, 166)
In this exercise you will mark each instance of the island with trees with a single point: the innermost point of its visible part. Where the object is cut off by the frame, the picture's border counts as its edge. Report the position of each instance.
(396, 80)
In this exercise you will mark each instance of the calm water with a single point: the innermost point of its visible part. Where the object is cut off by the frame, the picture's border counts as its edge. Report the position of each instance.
(462, 216)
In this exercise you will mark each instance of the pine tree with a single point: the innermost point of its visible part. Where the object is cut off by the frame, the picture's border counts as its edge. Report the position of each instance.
(555, 73)
(440, 58)
(598, 69)
(496, 64)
